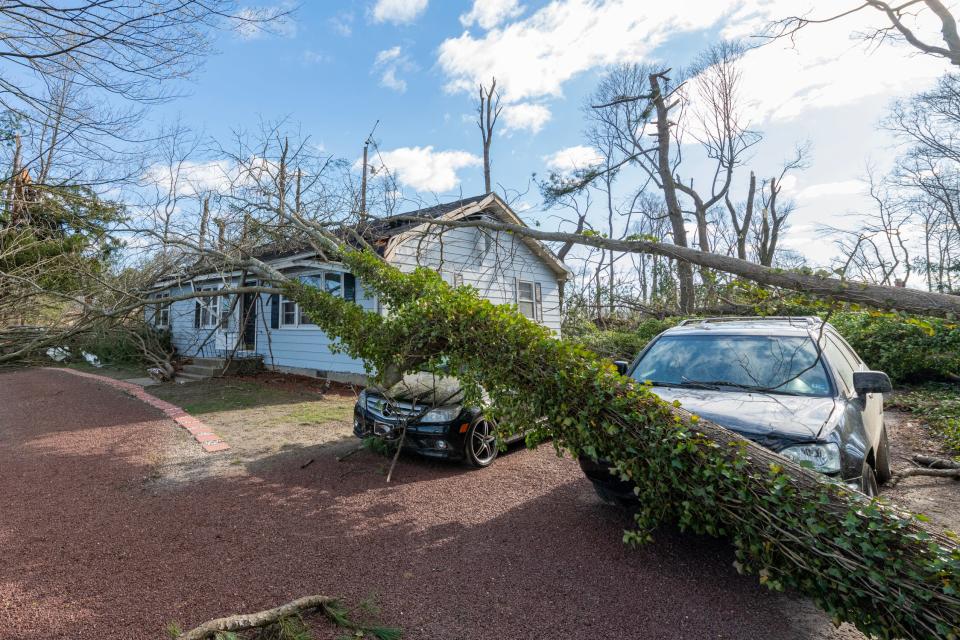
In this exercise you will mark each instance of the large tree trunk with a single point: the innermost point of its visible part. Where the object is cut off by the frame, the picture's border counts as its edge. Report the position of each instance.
(902, 299)
(674, 211)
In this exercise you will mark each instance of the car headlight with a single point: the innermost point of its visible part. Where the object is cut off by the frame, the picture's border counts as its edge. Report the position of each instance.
(362, 398)
(442, 414)
(822, 456)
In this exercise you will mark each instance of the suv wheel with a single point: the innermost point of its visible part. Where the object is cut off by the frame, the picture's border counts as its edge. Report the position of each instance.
(480, 445)
(883, 459)
(868, 481)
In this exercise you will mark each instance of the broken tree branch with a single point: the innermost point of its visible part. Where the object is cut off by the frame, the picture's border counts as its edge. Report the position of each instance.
(244, 621)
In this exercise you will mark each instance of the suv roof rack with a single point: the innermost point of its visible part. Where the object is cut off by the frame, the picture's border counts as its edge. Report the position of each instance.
(794, 320)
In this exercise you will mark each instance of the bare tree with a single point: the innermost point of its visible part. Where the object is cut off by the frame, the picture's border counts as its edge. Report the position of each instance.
(488, 110)
(775, 211)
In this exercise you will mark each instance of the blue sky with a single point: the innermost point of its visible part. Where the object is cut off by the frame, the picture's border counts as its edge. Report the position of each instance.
(337, 67)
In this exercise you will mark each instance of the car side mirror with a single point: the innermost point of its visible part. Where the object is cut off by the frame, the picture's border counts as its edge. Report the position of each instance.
(622, 366)
(865, 382)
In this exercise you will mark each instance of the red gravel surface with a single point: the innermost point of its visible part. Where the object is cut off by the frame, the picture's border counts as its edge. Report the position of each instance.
(91, 548)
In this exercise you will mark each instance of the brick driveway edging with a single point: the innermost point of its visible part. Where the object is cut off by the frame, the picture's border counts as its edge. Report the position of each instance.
(210, 441)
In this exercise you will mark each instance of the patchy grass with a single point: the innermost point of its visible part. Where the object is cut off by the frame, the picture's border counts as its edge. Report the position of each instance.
(267, 415)
(220, 394)
(938, 405)
(334, 409)
(118, 372)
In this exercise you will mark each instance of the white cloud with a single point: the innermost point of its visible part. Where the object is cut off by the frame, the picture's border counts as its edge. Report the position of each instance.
(524, 116)
(487, 14)
(533, 57)
(398, 11)
(342, 23)
(390, 63)
(190, 178)
(825, 68)
(828, 189)
(315, 57)
(573, 158)
(424, 169)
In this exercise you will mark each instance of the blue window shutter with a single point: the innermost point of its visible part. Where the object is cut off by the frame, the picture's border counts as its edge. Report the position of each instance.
(349, 287)
(275, 311)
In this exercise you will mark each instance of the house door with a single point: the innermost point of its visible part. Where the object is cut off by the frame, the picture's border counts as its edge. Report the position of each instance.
(248, 322)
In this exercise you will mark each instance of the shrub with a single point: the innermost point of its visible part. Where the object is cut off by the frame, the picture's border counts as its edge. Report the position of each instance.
(618, 344)
(122, 346)
(908, 349)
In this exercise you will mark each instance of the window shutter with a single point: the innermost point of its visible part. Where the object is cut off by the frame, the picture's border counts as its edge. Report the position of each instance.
(538, 307)
(196, 314)
(516, 291)
(275, 311)
(349, 287)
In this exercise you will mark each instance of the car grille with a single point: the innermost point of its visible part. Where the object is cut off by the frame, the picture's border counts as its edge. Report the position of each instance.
(393, 410)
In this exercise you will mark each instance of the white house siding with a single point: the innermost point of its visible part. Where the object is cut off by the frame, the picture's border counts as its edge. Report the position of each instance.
(487, 260)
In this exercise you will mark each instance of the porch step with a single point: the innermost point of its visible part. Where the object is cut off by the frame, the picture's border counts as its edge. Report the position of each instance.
(190, 377)
(207, 371)
(209, 362)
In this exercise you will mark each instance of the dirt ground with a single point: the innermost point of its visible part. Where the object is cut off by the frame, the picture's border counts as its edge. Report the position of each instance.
(102, 537)
(936, 498)
(117, 524)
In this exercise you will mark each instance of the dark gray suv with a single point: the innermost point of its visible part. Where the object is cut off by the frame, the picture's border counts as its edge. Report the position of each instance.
(792, 385)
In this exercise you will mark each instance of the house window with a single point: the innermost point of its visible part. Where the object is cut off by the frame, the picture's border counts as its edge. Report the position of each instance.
(161, 316)
(336, 283)
(289, 312)
(529, 299)
(209, 310)
(458, 279)
(525, 299)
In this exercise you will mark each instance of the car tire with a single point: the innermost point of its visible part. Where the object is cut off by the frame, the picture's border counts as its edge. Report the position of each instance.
(480, 445)
(868, 481)
(604, 494)
(883, 459)
(611, 497)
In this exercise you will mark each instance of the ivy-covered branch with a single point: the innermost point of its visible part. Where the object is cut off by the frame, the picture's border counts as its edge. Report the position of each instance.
(861, 560)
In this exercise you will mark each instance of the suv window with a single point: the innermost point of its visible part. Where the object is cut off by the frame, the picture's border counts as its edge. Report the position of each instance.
(840, 362)
(776, 364)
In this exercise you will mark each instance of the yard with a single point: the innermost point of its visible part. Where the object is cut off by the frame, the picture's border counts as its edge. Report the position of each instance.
(117, 525)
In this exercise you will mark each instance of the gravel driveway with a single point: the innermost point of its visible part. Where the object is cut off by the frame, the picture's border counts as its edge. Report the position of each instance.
(92, 546)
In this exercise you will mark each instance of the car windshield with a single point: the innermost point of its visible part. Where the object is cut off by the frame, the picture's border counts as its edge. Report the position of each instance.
(772, 364)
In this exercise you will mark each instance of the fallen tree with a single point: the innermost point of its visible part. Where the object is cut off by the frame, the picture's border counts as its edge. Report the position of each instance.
(861, 560)
(807, 282)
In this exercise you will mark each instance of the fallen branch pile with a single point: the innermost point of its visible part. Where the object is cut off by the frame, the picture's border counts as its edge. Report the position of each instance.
(929, 466)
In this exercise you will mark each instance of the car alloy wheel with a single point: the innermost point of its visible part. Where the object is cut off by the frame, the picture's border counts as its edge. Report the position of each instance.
(481, 443)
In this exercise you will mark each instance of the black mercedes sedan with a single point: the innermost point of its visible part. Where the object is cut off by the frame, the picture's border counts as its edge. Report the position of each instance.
(438, 423)
(792, 385)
